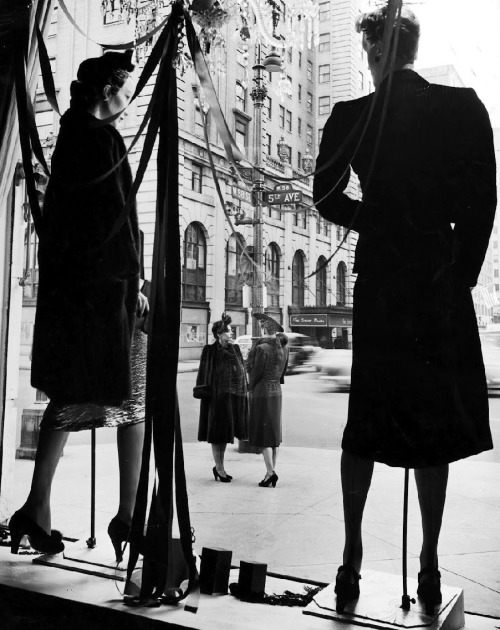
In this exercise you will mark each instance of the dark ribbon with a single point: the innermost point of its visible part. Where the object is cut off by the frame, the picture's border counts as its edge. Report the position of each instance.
(163, 430)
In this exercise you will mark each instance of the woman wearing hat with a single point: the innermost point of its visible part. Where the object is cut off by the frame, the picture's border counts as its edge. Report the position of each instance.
(267, 365)
(222, 388)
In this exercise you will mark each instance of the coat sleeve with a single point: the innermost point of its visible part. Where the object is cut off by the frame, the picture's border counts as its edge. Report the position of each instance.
(203, 369)
(473, 215)
(258, 366)
(329, 184)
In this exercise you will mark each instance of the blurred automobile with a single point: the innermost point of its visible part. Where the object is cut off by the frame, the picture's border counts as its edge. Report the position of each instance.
(245, 344)
(335, 368)
(490, 344)
(302, 349)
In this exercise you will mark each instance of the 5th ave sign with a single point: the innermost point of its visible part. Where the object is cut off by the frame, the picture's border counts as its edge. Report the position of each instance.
(283, 193)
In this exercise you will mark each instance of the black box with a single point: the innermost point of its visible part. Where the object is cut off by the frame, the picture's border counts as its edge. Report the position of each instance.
(214, 570)
(252, 579)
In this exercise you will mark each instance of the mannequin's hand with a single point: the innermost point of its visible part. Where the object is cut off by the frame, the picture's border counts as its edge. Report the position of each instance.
(142, 305)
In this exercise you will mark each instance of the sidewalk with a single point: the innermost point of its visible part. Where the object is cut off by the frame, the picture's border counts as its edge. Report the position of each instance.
(297, 527)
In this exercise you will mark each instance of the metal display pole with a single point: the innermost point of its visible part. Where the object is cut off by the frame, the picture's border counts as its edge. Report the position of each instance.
(91, 542)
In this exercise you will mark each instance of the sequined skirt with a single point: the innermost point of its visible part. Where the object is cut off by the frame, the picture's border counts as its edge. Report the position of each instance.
(78, 417)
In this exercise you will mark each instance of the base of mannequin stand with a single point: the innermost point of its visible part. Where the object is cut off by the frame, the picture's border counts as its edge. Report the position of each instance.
(99, 561)
(379, 605)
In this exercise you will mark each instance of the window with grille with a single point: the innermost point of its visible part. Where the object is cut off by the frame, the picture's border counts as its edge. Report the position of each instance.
(195, 264)
(324, 42)
(197, 177)
(234, 281)
(309, 135)
(323, 105)
(321, 282)
(310, 70)
(241, 97)
(282, 117)
(341, 284)
(240, 133)
(269, 107)
(324, 11)
(324, 73)
(272, 265)
(267, 144)
(298, 279)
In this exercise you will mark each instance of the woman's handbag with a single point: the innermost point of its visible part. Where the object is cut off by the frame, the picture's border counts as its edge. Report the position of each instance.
(203, 392)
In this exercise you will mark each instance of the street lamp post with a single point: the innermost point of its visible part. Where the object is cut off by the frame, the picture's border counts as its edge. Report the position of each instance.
(258, 95)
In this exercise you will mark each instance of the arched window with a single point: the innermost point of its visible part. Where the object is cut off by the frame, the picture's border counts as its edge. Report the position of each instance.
(298, 279)
(272, 264)
(194, 272)
(321, 282)
(341, 284)
(234, 282)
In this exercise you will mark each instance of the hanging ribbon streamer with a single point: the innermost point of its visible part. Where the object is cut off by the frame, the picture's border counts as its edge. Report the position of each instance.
(162, 411)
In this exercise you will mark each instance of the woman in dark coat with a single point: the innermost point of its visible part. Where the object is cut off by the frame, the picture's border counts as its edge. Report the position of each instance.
(221, 385)
(88, 295)
(418, 391)
(267, 366)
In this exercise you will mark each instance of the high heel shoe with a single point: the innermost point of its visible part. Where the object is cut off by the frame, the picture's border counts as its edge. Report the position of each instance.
(270, 481)
(346, 586)
(119, 533)
(21, 525)
(220, 477)
(429, 588)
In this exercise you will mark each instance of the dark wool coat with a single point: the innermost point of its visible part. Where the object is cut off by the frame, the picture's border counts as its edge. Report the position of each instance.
(418, 389)
(87, 295)
(267, 363)
(224, 415)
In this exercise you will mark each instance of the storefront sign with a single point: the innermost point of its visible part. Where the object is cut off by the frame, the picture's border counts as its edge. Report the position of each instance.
(309, 320)
(340, 320)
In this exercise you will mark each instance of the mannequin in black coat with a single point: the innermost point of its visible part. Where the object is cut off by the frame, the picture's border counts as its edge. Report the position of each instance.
(88, 295)
(419, 399)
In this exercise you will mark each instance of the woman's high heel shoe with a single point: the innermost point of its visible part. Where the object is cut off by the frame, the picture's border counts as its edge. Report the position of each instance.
(21, 525)
(217, 475)
(346, 586)
(429, 588)
(270, 481)
(119, 533)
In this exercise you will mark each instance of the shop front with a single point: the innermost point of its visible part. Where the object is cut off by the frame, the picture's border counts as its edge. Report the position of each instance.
(330, 326)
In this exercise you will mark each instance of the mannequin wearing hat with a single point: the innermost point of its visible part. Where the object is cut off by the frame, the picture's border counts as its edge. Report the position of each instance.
(88, 297)
(267, 363)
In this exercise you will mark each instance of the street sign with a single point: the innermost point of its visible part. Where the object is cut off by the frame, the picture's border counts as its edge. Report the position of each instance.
(279, 197)
(241, 194)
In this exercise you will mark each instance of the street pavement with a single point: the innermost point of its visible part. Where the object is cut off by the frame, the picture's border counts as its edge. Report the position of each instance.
(297, 527)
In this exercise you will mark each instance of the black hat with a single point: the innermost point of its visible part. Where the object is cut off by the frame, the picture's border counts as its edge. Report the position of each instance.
(271, 324)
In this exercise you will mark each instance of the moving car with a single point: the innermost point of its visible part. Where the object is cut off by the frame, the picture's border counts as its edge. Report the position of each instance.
(335, 368)
(302, 349)
(245, 344)
(335, 365)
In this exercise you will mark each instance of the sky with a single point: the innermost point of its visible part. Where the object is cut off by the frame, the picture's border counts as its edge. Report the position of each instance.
(465, 34)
